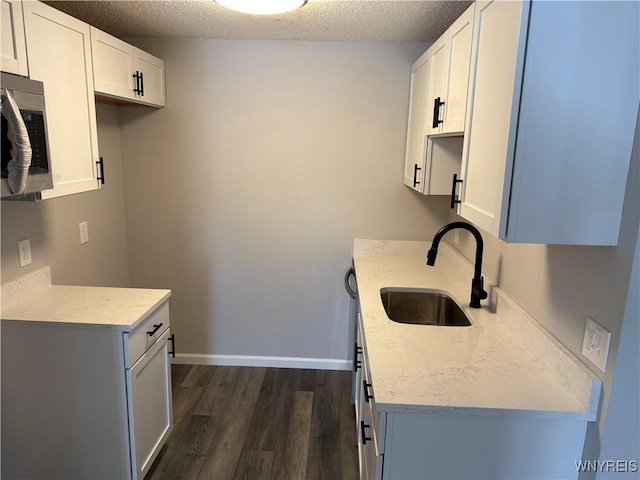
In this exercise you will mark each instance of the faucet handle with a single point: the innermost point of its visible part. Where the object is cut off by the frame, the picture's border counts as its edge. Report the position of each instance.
(482, 293)
(477, 292)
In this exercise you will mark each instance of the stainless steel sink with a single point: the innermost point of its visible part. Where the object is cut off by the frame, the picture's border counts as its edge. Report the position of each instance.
(423, 307)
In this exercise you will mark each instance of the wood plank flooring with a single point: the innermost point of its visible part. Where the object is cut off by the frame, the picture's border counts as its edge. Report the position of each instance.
(259, 423)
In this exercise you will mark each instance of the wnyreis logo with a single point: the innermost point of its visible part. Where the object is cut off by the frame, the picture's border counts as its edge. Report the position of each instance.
(618, 466)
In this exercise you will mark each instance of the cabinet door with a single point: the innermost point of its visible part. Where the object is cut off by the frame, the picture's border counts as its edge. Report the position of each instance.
(372, 460)
(496, 66)
(14, 51)
(59, 50)
(436, 102)
(357, 373)
(151, 70)
(359, 405)
(416, 126)
(112, 65)
(459, 39)
(150, 423)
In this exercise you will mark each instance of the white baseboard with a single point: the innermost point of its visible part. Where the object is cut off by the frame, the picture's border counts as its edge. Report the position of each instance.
(257, 361)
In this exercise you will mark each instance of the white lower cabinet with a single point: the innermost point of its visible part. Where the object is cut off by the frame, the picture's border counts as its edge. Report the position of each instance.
(370, 423)
(149, 382)
(84, 401)
(419, 442)
(439, 446)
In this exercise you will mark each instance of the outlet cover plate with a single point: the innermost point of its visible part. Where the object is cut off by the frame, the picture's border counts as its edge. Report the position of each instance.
(84, 232)
(595, 344)
(24, 252)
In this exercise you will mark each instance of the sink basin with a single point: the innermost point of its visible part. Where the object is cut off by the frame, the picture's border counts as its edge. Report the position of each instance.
(423, 307)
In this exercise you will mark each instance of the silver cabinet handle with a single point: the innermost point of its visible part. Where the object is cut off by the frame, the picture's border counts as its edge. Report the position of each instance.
(347, 286)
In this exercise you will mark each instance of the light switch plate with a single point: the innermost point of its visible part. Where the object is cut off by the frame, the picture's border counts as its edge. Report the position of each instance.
(84, 232)
(595, 344)
(24, 252)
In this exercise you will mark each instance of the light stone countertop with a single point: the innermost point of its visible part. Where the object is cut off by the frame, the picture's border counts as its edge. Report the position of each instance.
(31, 298)
(489, 368)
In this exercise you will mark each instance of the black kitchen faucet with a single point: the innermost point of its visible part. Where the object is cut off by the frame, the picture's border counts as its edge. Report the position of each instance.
(477, 284)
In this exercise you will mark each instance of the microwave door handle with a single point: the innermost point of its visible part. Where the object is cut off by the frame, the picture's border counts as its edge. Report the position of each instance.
(17, 134)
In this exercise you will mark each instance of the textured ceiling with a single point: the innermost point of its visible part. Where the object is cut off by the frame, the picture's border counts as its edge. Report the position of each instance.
(354, 20)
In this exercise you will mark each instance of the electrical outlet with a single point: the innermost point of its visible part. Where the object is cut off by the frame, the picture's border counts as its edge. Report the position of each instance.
(84, 232)
(24, 252)
(595, 344)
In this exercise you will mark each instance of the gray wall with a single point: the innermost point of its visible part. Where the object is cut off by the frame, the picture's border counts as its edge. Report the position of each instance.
(52, 225)
(244, 194)
(560, 285)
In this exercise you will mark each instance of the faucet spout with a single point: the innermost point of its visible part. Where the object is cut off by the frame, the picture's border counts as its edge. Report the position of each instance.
(477, 283)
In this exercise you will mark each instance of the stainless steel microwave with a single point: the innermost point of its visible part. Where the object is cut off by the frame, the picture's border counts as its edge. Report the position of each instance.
(26, 166)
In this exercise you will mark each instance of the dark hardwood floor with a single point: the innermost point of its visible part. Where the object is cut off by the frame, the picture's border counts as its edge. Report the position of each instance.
(259, 423)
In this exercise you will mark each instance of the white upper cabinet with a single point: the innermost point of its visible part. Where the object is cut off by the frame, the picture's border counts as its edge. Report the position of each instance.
(150, 72)
(437, 93)
(459, 37)
(124, 72)
(112, 65)
(417, 123)
(450, 57)
(14, 51)
(553, 100)
(438, 87)
(59, 53)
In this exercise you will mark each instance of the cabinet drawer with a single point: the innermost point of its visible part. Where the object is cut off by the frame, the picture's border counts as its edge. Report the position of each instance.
(144, 335)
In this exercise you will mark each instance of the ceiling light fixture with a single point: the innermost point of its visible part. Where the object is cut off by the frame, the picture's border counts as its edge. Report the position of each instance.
(262, 7)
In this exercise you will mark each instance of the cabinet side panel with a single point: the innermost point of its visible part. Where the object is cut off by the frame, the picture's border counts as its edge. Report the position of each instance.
(453, 447)
(64, 410)
(577, 122)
